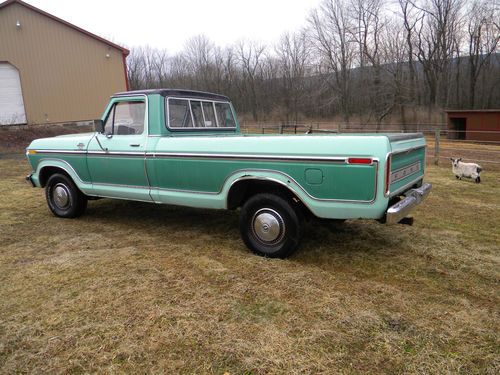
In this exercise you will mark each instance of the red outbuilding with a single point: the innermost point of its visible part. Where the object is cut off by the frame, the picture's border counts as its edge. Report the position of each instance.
(476, 125)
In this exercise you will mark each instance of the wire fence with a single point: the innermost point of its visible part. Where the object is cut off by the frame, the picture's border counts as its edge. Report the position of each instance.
(478, 146)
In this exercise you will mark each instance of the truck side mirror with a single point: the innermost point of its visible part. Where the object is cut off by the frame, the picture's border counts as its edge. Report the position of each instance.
(99, 126)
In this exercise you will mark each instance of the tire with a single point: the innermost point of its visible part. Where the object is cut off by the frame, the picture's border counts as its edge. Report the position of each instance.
(63, 197)
(270, 226)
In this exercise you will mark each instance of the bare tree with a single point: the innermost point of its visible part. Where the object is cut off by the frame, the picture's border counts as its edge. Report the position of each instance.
(369, 23)
(331, 32)
(483, 37)
(293, 56)
(439, 21)
(250, 56)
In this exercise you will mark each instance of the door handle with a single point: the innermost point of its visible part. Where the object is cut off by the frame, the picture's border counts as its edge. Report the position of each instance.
(134, 145)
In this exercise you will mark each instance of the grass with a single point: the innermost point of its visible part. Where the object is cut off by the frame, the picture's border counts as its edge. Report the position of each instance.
(135, 287)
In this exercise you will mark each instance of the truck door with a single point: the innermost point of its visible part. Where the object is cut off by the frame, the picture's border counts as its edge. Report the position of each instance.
(116, 159)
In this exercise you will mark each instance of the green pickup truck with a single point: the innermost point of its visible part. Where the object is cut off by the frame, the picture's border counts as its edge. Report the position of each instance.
(185, 148)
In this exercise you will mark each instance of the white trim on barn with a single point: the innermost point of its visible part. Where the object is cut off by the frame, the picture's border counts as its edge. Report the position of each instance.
(11, 96)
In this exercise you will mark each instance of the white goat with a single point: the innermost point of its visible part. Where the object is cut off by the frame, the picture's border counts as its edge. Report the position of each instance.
(470, 170)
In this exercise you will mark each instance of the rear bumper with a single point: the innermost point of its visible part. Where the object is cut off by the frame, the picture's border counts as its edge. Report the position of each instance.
(401, 209)
(29, 180)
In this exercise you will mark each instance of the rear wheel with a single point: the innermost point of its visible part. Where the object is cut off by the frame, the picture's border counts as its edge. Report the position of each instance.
(63, 197)
(270, 226)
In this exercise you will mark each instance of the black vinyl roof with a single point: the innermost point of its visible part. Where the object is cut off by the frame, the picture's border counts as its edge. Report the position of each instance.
(176, 92)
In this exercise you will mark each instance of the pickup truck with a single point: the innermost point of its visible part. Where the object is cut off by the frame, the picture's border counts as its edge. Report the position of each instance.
(185, 148)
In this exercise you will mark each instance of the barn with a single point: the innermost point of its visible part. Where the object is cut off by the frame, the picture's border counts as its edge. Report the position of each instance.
(52, 71)
(474, 125)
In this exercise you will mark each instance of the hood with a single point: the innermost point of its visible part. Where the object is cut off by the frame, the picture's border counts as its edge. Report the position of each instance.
(63, 142)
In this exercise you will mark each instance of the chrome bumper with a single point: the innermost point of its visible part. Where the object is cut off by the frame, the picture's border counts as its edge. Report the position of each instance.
(401, 209)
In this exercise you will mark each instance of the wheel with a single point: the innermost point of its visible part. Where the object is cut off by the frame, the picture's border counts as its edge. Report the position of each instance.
(63, 197)
(270, 226)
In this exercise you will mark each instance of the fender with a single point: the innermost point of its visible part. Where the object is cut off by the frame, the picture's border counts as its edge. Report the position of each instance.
(264, 175)
(84, 186)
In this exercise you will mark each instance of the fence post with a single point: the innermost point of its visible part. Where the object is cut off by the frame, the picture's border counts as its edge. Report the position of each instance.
(339, 126)
(437, 135)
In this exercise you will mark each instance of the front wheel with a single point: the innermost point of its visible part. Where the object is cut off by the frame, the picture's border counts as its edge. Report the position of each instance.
(270, 226)
(63, 197)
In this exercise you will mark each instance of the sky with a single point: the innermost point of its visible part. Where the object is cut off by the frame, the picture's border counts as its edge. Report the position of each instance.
(169, 24)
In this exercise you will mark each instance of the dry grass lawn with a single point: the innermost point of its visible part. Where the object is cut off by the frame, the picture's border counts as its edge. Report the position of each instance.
(135, 287)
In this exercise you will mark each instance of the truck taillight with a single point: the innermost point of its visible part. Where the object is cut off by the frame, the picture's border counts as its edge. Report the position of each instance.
(388, 175)
(359, 160)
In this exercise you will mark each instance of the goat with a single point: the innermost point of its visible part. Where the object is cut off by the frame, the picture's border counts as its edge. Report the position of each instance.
(470, 170)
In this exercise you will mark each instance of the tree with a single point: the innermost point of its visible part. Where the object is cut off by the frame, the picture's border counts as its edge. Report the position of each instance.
(250, 56)
(331, 33)
(483, 38)
(293, 57)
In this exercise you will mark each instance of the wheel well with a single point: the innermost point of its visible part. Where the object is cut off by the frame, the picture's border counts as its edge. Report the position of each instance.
(46, 172)
(244, 189)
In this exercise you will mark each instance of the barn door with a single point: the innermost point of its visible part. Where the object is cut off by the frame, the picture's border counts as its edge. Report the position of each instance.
(11, 96)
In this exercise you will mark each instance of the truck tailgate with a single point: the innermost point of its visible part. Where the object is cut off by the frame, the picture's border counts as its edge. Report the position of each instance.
(407, 162)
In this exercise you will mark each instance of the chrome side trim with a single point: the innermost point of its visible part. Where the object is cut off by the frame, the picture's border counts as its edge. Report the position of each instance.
(117, 153)
(122, 198)
(339, 159)
(387, 192)
(248, 157)
(58, 151)
(104, 184)
(93, 153)
(401, 209)
(387, 175)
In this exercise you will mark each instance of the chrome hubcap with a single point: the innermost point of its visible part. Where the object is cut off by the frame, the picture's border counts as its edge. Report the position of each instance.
(268, 226)
(60, 196)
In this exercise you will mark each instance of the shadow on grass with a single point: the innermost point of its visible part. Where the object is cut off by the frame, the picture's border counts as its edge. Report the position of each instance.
(319, 236)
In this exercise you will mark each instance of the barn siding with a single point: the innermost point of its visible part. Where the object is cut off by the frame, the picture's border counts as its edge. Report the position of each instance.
(65, 75)
(481, 125)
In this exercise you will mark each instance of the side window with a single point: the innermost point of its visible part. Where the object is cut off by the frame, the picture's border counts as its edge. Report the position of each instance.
(197, 114)
(225, 115)
(179, 115)
(208, 110)
(126, 118)
(192, 113)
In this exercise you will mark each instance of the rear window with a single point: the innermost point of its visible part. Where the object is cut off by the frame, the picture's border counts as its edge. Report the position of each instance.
(225, 117)
(179, 114)
(199, 114)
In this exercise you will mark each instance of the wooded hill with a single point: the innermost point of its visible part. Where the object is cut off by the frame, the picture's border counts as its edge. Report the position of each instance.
(368, 59)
